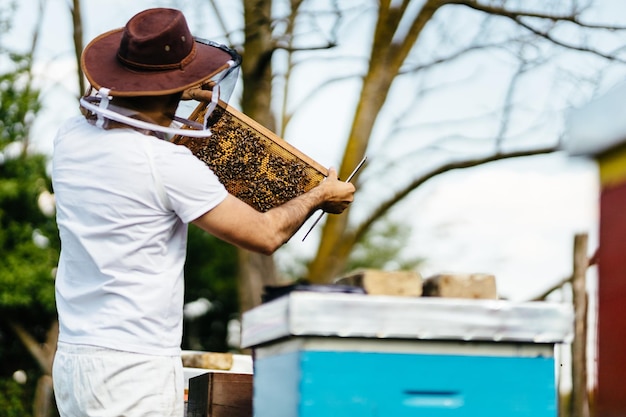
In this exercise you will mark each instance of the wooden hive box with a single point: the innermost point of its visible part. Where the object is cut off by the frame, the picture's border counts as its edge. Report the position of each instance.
(220, 394)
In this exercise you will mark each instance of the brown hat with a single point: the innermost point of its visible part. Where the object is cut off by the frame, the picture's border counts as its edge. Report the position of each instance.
(154, 54)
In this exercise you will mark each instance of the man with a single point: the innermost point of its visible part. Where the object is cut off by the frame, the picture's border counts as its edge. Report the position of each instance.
(124, 199)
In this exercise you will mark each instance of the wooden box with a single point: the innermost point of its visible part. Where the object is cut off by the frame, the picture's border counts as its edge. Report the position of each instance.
(220, 394)
(479, 286)
(377, 282)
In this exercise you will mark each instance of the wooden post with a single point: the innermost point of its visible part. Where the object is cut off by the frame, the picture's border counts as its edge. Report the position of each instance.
(579, 398)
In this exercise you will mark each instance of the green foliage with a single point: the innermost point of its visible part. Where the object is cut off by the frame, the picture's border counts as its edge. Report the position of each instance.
(382, 247)
(29, 244)
(13, 399)
(18, 103)
(28, 238)
(211, 273)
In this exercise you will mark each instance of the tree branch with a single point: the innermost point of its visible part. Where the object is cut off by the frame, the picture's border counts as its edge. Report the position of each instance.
(385, 206)
(508, 107)
(550, 38)
(32, 345)
(543, 295)
(517, 16)
(289, 36)
(513, 14)
(221, 21)
(458, 54)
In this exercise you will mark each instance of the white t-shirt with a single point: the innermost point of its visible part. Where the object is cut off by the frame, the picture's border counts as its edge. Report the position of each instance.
(124, 200)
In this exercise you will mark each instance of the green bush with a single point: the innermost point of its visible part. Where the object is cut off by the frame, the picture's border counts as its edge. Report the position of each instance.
(13, 398)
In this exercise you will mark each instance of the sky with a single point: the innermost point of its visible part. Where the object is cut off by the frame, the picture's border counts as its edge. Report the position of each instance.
(514, 219)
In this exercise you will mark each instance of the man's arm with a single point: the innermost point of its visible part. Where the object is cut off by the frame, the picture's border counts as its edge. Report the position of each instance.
(236, 222)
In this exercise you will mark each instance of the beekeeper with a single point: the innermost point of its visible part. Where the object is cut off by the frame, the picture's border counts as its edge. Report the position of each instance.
(124, 196)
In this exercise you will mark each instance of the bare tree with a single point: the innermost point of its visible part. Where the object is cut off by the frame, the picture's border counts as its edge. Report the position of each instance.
(405, 41)
(400, 43)
(397, 32)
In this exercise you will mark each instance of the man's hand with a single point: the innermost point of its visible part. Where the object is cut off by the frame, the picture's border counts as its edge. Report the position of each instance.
(238, 223)
(197, 93)
(338, 194)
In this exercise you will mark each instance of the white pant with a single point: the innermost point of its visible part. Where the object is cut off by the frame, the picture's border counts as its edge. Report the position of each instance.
(97, 382)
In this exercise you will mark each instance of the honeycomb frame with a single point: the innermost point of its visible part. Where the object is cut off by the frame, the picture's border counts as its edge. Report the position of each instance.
(252, 162)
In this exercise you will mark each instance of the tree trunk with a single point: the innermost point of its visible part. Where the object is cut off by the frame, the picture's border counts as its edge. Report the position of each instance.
(77, 23)
(44, 398)
(386, 59)
(43, 353)
(256, 270)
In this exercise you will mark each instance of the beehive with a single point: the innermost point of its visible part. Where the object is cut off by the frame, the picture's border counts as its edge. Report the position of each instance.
(252, 162)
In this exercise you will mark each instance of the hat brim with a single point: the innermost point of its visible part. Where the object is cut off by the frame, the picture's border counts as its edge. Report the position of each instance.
(102, 68)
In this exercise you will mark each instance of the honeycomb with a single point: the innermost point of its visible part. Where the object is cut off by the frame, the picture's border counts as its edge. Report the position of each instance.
(252, 162)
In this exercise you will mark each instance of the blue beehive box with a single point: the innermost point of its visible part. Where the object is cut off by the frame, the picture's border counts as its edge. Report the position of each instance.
(354, 355)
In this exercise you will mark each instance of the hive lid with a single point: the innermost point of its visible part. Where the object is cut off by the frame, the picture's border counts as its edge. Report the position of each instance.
(421, 318)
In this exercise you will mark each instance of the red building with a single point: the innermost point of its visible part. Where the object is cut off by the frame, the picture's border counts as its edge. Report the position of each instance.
(599, 131)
